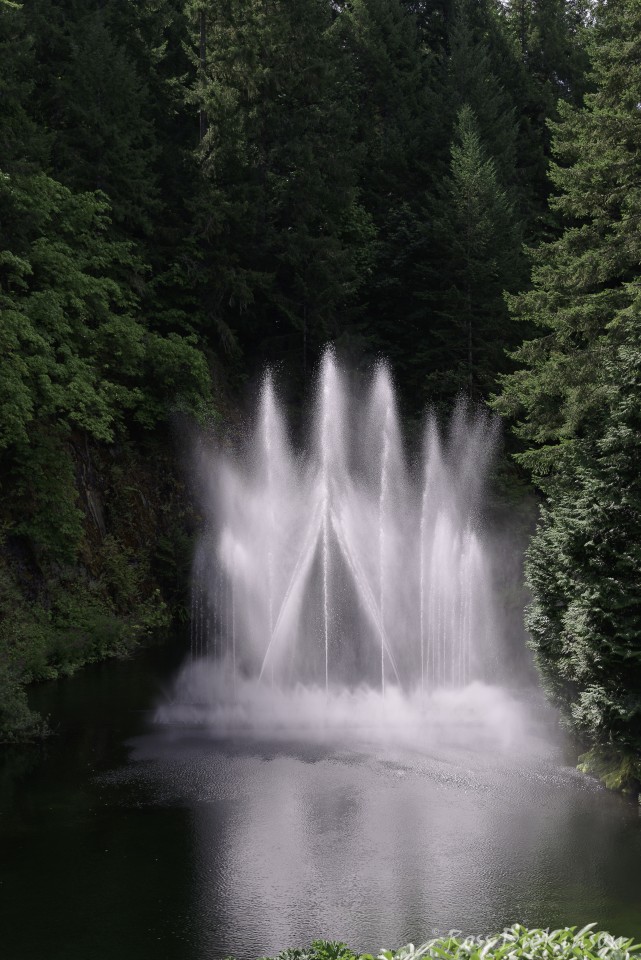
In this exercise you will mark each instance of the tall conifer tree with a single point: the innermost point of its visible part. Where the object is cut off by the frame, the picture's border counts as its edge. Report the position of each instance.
(581, 281)
(479, 239)
(552, 38)
(576, 403)
(283, 238)
(396, 100)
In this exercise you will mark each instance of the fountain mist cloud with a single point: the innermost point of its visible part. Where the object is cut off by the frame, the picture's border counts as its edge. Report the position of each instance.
(341, 565)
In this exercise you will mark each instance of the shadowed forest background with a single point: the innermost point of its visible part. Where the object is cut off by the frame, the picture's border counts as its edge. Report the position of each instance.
(189, 191)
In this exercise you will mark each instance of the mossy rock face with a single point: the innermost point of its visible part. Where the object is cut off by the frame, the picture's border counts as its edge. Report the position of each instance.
(116, 588)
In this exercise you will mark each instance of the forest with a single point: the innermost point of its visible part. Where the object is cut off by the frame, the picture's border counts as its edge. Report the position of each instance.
(190, 189)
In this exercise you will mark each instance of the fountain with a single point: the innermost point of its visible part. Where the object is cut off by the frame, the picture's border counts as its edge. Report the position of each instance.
(341, 566)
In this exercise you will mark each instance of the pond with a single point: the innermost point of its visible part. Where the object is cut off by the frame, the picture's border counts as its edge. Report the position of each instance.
(125, 838)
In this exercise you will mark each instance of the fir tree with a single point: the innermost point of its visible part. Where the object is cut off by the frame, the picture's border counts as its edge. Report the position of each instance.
(24, 144)
(97, 105)
(478, 239)
(584, 572)
(552, 38)
(463, 239)
(581, 280)
(577, 400)
(283, 239)
(474, 80)
(394, 87)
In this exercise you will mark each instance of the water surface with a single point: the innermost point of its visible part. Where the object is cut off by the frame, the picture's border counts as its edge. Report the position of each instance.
(129, 839)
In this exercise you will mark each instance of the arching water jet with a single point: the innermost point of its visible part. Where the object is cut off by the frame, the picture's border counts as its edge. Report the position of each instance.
(339, 569)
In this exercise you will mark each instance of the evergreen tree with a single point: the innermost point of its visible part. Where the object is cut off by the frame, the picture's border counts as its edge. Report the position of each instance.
(432, 18)
(463, 239)
(552, 38)
(584, 571)
(576, 401)
(391, 77)
(581, 281)
(283, 239)
(90, 94)
(395, 93)
(477, 55)
(513, 97)
(478, 238)
(23, 142)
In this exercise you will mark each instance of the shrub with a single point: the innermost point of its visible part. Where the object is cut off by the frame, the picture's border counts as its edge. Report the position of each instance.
(17, 722)
(515, 943)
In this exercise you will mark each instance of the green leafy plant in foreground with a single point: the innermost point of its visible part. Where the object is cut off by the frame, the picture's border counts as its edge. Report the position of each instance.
(514, 943)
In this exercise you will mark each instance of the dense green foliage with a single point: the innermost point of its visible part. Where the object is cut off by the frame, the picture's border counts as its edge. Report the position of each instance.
(92, 365)
(577, 400)
(513, 943)
(191, 188)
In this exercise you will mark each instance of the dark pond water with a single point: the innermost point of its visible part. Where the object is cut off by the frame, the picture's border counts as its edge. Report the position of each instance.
(123, 839)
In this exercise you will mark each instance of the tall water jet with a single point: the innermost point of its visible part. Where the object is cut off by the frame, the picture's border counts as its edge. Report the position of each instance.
(339, 566)
(269, 428)
(328, 393)
(384, 433)
(432, 480)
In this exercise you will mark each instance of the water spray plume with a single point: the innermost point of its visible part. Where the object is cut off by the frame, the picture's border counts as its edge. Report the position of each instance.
(335, 567)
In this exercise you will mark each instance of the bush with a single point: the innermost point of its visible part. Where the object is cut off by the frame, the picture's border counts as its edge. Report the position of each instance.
(17, 722)
(76, 619)
(515, 943)
(617, 769)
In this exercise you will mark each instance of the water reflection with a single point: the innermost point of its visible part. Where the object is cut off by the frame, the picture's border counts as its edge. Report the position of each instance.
(141, 841)
(377, 847)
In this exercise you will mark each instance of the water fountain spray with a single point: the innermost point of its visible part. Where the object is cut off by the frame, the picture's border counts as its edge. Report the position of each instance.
(341, 566)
